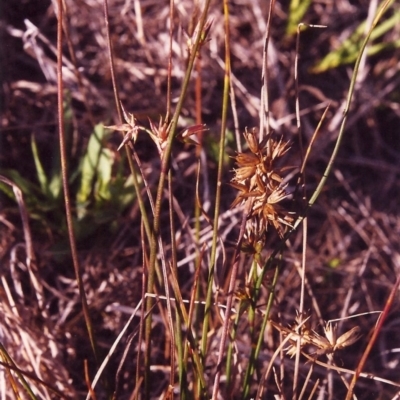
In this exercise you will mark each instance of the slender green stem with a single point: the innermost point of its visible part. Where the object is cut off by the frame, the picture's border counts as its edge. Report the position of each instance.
(197, 198)
(176, 334)
(246, 304)
(348, 103)
(225, 102)
(229, 301)
(252, 310)
(243, 306)
(256, 350)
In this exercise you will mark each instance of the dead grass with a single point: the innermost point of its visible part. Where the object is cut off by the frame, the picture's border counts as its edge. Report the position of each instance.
(352, 245)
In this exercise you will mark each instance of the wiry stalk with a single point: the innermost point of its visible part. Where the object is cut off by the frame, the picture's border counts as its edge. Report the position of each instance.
(225, 102)
(200, 155)
(229, 302)
(244, 304)
(255, 352)
(192, 342)
(302, 181)
(64, 172)
(173, 265)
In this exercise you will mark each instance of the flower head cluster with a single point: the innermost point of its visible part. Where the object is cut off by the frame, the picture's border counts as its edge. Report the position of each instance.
(259, 181)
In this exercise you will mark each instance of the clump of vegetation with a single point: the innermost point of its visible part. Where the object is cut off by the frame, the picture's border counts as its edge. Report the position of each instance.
(176, 259)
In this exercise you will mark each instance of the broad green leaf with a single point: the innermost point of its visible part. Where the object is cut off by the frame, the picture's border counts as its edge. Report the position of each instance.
(89, 167)
(55, 185)
(104, 169)
(51, 190)
(40, 173)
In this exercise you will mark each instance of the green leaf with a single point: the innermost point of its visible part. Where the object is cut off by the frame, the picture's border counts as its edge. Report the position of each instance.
(347, 53)
(89, 168)
(51, 190)
(297, 10)
(7, 190)
(55, 186)
(41, 175)
(104, 169)
(29, 190)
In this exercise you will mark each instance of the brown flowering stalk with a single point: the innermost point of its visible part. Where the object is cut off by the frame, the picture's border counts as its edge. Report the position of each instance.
(259, 181)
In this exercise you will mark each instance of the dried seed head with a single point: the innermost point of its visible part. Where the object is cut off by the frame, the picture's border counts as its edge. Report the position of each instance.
(159, 134)
(299, 331)
(260, 181)
(345, 340)
(252, 141)
(324, 345)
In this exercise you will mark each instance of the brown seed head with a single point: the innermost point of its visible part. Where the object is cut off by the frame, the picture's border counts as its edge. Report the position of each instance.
(259, 181)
